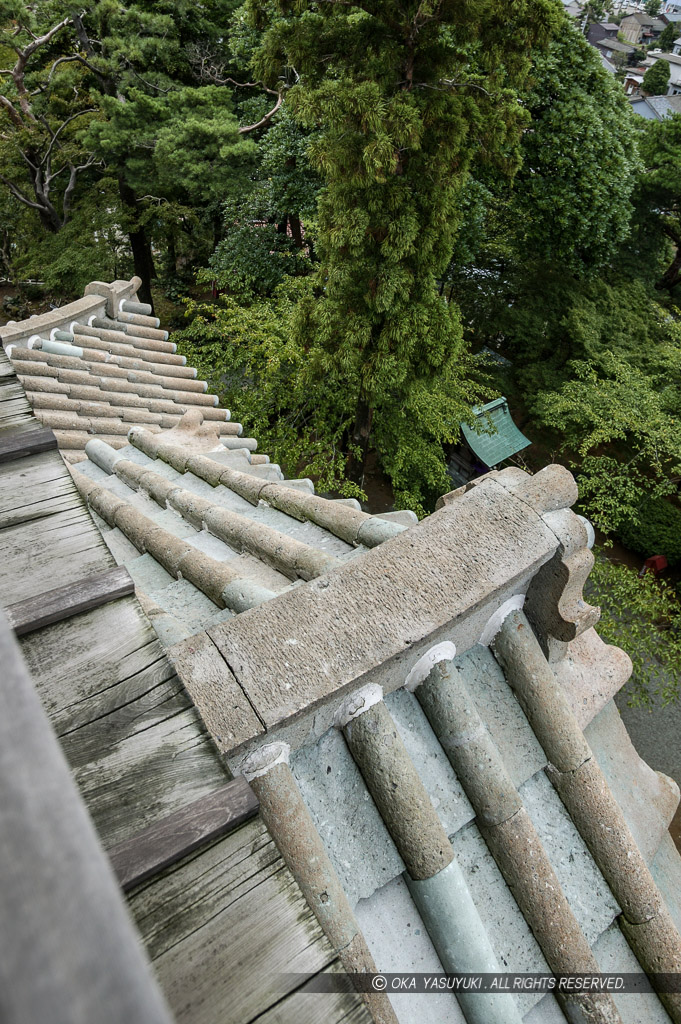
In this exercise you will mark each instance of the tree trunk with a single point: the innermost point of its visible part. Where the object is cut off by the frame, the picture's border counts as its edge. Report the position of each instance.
(296, 229)
(361, 434)
(139, 243)
(171, 252)
(672, 274)
(50, 221)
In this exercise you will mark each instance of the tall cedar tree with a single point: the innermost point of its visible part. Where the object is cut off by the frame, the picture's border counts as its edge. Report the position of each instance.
(407, 96)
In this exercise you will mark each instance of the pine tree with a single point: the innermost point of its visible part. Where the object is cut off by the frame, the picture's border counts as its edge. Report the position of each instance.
(129, 97)
(407, 96)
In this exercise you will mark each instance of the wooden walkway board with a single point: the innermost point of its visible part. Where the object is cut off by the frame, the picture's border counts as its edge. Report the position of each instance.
(33, 488)
(53, 550)
(65, 602)
(68, 950)
(304, 1007)
(21, 443)
(181, 833)
(136, 744)
(228, 930)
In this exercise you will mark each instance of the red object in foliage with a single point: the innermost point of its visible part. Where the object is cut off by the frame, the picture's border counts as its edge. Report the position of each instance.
(656, 563)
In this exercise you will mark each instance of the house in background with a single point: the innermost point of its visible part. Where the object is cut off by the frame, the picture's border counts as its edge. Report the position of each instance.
(633, 80)
(641, 29)
(674, 61)
(656, 108)
(602, 30)
(613, 50)
(671, 10)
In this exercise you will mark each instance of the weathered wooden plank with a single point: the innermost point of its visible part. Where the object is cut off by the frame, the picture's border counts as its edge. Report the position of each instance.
(309, 1007)
(14, 410)
(88, 669)
(11, 390)
(181, 833)
(147, 776)
(19, 444)
(59, 548)
(69, 953)
(138, 748)
(35, 487)
(226, 927)
(73, 599)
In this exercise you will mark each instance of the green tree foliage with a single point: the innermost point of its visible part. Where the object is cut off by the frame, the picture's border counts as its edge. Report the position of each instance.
(656, 530)
(563, 287)
(250, 358)
(660, 190)
(406, 98)
(530, 268)
(643, 616)
(43, 105)
(656, 78)
(141, 96)
(667, 37)
(652, 7)
(571, 201)
(617, 420)
(270, 227)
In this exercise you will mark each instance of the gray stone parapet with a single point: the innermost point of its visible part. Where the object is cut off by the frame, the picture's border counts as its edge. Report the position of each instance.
(98, 299)
(372, 619)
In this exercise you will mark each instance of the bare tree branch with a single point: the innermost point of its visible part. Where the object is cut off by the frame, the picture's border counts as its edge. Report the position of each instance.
(12, 111)
(19, 69)
(68, 191)
(58, 61)
(19, 194)
(263, 120)
(55, 135)
(249, 85)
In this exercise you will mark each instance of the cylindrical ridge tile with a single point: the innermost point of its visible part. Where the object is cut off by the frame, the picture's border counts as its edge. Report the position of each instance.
(289, 822)
(590, 803)
(539, 693)
(522, 860)
(519, 853)
(464, 738)
(654, 939)
(454, 926)
(510, 835)
(398, 792)
(600, 822)
(656, 947)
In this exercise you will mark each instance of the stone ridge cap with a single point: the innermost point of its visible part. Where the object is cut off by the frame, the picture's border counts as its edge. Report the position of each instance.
(378, 553)
(307, 645)
(95, 299)
(54, 318)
